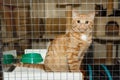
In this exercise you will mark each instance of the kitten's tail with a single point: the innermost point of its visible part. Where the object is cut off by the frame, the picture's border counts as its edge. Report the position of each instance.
(36, 66)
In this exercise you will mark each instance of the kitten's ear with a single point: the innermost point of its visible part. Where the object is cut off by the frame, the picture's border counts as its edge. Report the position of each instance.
(74, 14)
(91, 15)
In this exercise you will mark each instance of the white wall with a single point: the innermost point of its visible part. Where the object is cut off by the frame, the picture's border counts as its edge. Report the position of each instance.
(37, 10)
(51, 10)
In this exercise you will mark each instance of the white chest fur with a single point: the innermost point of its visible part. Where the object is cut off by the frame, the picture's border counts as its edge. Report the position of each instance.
(84, 37)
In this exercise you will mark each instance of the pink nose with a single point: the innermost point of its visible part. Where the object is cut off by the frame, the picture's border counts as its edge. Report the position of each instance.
(82, 26)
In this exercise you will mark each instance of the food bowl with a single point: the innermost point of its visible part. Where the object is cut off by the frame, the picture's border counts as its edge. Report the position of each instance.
(8, 59)
(32, 58)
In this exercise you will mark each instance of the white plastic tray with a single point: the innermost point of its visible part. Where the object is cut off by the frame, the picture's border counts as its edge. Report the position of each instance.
(21, 73)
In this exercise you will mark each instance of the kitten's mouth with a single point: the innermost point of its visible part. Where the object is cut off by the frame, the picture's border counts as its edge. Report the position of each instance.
(79, 30)
(82, 31)
(85, 31)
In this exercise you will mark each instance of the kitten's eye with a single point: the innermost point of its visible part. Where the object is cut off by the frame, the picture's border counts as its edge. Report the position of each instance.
(86, 22)
(78, 21)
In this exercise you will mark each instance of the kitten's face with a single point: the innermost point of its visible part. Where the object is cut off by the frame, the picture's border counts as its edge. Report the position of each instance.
(82, 23)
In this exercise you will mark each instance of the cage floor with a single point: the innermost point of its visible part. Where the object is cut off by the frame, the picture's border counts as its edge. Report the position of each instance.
(21, 73)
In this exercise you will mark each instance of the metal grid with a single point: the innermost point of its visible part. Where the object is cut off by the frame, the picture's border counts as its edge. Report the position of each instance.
(32, 24)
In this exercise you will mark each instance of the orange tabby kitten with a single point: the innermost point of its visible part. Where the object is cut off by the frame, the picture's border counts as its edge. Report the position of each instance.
(66, 52)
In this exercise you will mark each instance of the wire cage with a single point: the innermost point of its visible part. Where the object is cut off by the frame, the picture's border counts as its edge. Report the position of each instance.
(30, 26)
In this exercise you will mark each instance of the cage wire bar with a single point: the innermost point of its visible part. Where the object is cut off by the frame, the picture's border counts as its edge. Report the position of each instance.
(1, 69)
(30, 25)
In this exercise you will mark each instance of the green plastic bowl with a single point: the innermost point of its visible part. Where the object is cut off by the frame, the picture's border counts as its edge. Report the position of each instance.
(32, 58)
(8, 59)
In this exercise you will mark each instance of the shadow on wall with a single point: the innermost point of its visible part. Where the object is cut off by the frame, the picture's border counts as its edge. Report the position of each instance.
(88, 58)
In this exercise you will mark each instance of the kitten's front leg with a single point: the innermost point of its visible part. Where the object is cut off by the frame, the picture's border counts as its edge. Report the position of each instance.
(72, 59)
